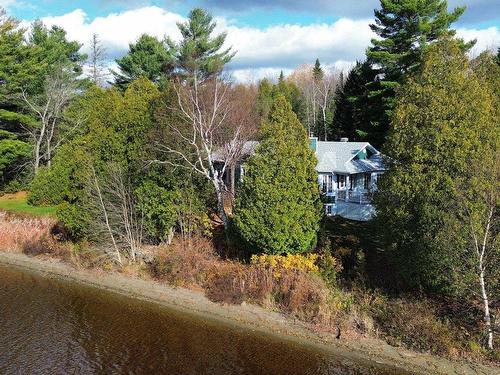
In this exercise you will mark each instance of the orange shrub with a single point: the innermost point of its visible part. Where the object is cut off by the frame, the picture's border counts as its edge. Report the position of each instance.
(183, 263)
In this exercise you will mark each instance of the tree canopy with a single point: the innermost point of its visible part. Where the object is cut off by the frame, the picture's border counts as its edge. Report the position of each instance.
(148, 57)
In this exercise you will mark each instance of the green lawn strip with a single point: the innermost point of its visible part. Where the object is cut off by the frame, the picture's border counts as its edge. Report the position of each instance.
(21, 206)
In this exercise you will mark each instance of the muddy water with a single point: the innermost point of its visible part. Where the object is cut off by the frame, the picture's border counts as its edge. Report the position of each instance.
(51, 326)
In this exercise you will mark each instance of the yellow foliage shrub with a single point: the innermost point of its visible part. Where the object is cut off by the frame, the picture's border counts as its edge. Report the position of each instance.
(278, 263)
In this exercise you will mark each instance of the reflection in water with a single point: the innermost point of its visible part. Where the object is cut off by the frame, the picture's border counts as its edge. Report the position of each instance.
(53, 327)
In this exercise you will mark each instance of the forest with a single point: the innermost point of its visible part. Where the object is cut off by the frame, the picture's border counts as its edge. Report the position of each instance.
(122, 164)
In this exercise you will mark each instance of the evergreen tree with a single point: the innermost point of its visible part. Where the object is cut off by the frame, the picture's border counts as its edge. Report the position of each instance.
(405, 28)
(269, 91)
(148, 57)
(49, 49)
(281, 78)
(199, 54)
(278, 208)
(357, 113)
(318, 73)
(445, 126)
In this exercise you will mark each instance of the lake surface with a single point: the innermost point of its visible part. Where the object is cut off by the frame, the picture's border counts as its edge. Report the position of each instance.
(57, 327)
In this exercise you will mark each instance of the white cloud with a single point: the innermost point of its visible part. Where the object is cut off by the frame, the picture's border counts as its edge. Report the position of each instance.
(7, 3)
(486, 38)
(260, 52)
(117, 30)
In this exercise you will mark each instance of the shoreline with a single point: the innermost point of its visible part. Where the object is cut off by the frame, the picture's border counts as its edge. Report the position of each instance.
(367, 351)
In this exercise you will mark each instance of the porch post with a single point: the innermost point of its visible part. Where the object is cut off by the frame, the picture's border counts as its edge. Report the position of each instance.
(347, 187)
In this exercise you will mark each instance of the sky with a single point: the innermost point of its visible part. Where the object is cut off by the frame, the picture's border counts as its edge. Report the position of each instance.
(268, 35)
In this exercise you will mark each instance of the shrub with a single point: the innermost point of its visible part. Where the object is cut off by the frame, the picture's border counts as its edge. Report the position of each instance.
(183, 263)
(415, 324)
(305, 263)
(46, 245)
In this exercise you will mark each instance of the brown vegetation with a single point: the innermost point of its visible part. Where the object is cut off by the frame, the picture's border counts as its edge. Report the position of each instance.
(295, 287)
(16, 231)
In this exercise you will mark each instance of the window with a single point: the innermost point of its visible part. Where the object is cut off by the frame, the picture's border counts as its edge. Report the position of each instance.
(326, 182)
(341, 180)
(368, 180)
(329, 209)
(329, 183)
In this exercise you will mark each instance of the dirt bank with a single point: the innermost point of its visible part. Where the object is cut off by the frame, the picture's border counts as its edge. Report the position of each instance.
(249, 316)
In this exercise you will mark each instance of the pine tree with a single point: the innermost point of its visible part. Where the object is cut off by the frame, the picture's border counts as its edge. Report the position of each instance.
(148, 57)
(405, 28)
(281, 78)
(278, 208)
(199, 54)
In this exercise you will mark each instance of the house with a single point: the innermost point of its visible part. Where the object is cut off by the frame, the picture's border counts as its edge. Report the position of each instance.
(347, 175)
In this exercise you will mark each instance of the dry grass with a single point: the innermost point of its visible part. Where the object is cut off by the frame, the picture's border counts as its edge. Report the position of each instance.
(297, 292)
(19, 231)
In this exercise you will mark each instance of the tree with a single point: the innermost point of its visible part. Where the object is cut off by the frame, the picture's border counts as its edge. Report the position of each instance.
(199, 56)
(405, 29)
(97, 68)
(59, 89)
(148, 57)
(205, 135)
(437, 205)
(49, 49)
(326, 92)
(14, 154)
(357, 113)
(278, 209)
(205, 128)
(318, 73)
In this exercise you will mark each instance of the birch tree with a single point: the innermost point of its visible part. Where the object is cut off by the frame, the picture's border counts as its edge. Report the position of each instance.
(48, 107)
(204, 134)
(325, 89)
(478, 203)
(209, 137)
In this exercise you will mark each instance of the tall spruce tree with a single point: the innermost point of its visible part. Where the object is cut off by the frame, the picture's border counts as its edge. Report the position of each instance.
(199, 54)
(318, 73)
(278, 208)
(405, 29)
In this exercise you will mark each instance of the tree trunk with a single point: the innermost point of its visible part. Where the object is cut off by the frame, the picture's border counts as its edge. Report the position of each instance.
(37, 157)
(486, 308)
(324, 122)
(220, 202)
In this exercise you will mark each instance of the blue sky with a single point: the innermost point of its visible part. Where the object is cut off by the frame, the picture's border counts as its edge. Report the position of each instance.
(269, 35)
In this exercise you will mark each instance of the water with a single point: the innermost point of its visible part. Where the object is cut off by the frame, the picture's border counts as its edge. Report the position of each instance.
(57, 327)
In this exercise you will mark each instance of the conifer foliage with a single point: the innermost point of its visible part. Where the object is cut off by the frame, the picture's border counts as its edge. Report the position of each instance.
(279, 209)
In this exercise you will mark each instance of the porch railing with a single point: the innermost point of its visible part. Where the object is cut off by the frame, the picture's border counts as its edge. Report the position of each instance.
(354, 196)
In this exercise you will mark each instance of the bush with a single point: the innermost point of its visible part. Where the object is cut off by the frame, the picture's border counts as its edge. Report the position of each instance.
(415, 324)
(76, 219)
(183, 263)
(46, 245)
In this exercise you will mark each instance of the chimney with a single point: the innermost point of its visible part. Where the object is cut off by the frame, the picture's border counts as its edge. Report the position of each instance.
(313, 142)
(344, 139)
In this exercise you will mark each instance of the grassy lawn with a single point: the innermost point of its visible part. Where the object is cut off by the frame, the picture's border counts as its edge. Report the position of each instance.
(17, 203)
